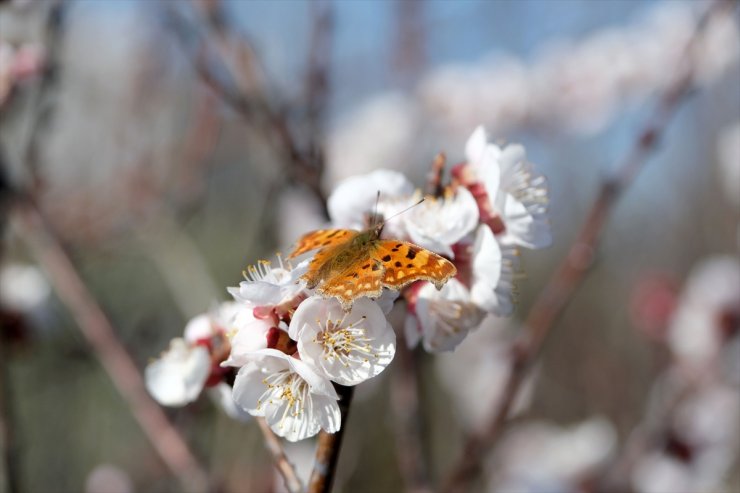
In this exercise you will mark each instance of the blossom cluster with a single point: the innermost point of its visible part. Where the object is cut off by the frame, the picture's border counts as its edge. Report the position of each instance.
(569, 86)
(283, 347)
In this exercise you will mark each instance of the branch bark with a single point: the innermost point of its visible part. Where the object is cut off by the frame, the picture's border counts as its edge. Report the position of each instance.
(328, 448)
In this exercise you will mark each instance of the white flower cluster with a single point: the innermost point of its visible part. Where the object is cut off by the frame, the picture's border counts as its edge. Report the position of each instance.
(579, 86)
(291, 346)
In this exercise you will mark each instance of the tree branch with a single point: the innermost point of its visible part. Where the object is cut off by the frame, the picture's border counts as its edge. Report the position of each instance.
(329, 445)
(570, 274)
(97, 329)
(272, 442)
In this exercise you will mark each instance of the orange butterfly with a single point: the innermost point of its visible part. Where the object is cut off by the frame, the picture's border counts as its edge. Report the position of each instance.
(351, 264)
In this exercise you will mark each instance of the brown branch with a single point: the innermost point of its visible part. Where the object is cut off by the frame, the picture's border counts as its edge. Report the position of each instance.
(407, 421)
(97, 329)
(301, 167)
(570, 274)
(272, 442)
(329, 445)
(318, 78)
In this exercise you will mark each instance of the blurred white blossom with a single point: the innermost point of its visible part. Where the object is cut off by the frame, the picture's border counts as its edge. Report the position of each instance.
(179, 375)
(23, 287)
(707, 313)
(537, 457)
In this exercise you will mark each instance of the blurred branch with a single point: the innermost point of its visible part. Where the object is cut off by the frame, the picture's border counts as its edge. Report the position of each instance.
(408, 422)
(317, 76)
(211, 60)
(568, 277)
(170, 248)
(97, 329)
(328, 448)
(272, 442)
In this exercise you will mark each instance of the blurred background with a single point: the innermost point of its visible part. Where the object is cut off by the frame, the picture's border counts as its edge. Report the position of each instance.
(168, 145)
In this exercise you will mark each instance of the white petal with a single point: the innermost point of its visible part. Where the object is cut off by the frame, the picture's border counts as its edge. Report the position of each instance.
(476, 144)
(438, 224)
(446, 316)
(178, 377)
(198, 327)
(493, 273)
(318, 383)
(347, 347)
(222, 394)
(327, 411)
(356, 196)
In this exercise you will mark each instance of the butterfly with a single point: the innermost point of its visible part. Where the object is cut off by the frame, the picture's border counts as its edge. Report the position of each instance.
(350, 264)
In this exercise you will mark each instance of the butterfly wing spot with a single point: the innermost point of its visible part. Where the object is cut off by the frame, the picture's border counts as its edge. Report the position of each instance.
(405, 263)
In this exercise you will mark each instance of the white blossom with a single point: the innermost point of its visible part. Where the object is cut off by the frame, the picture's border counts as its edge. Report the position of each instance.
(353, 202)
(492, 273)
(249, 333)
(295, 400)
(268, 286)
(23, 287)
(179, 375)
(563, 456)
(517, 197)
(696, 334)
(437, 224)
(441, 319)
(348, 347)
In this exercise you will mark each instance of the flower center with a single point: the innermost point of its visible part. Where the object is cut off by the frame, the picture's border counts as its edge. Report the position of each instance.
(285, 389)
(348, 344)
(264, 271)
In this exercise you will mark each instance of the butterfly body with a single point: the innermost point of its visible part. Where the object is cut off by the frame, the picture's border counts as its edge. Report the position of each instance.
(350, 264)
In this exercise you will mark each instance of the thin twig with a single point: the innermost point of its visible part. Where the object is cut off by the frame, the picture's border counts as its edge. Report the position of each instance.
(329, 445)
(407, 421)
(97, 329)
(286, 469)
(301, 167)
(570, 274)
(318, 79)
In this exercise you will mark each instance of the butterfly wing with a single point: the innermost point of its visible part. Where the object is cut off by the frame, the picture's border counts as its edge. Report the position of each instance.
(404, 263)
(321, 238)
(360, 280)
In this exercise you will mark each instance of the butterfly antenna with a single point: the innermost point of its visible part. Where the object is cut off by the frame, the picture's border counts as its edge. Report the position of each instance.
(376, 217)
(406, 209)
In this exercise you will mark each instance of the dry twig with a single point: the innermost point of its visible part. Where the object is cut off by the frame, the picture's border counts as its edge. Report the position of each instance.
(272, 442)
